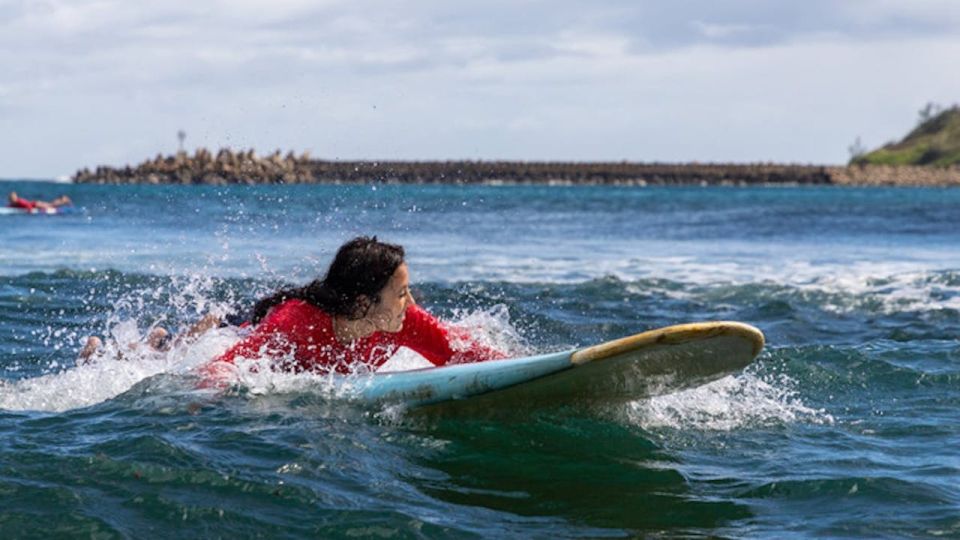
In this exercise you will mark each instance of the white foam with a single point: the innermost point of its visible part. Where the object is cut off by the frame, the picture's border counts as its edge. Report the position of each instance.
(490, 328)
(888, 287)
(111, 372)
(404, 360)
(731, 403)
(125, 360)
(894, 281)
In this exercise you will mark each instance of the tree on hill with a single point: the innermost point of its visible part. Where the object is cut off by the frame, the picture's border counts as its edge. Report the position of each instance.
(928, 111)
(934, 141)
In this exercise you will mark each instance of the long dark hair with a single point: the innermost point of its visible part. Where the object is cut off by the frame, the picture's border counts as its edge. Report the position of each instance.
(361, 268)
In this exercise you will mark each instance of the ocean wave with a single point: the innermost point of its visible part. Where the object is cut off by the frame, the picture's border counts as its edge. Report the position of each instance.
(57, 309)
(50, 314)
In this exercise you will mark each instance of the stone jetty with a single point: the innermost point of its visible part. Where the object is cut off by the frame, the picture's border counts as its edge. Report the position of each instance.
(226, 167)
(246, 167)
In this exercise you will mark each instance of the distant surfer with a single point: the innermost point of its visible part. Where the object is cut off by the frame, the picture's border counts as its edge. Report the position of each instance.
(358, 315)
(15, 201)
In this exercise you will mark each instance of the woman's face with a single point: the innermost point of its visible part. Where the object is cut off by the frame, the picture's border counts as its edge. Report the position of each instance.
(388, 314)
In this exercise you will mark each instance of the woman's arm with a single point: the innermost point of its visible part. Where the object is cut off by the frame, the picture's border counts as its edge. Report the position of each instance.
(439, 344)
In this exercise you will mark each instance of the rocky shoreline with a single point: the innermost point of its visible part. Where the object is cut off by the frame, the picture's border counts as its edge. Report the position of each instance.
(246, 167)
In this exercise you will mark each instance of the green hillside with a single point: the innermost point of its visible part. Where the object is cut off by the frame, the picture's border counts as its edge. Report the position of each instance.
(936, 141)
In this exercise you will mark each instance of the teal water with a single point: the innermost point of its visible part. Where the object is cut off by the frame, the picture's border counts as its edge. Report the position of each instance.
(847, 426)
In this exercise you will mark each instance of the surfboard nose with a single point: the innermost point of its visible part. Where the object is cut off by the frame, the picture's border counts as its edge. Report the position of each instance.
(672, 335)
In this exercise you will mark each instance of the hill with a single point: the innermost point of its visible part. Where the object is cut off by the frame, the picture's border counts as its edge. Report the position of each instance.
(935, 141)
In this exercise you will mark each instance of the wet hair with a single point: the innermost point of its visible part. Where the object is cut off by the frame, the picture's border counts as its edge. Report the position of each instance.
(361, 269)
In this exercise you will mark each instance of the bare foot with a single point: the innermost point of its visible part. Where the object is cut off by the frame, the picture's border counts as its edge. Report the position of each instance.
(159, 339)
(92, 346)
(200, 327)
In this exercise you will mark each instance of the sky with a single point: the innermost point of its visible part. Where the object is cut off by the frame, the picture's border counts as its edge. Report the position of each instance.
(111, 82)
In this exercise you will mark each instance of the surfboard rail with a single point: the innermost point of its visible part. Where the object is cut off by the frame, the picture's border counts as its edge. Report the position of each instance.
(650, 363)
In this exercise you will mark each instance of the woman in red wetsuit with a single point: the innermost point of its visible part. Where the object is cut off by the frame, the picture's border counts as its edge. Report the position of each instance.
(357, 316)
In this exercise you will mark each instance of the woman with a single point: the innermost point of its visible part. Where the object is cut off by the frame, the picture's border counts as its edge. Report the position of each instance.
(358, 315)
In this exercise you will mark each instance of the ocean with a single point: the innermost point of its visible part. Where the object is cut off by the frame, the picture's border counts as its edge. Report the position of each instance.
(847, 426)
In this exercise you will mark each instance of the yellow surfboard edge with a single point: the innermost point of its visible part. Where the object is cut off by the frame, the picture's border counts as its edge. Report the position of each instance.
(670, 335)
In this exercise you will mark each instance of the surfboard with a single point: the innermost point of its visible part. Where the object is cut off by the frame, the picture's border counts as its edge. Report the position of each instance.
(8, 211)
(648, 364)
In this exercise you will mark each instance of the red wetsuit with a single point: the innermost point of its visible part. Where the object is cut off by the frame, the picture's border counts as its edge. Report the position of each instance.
(301, 334)
(24, 204)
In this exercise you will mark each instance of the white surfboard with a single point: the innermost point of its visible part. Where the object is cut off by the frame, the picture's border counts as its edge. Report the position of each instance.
(8, 211)
(652, 363)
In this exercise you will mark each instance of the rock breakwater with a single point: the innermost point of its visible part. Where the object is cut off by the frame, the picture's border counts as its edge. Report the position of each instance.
(246, 167)
(226, 167)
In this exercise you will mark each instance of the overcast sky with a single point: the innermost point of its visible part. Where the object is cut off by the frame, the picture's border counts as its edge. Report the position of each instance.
(94, 82)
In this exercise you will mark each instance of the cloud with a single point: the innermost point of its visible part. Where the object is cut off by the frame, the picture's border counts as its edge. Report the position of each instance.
(104, 81)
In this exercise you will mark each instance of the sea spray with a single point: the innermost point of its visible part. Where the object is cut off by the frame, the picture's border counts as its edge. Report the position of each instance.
(744, 401)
